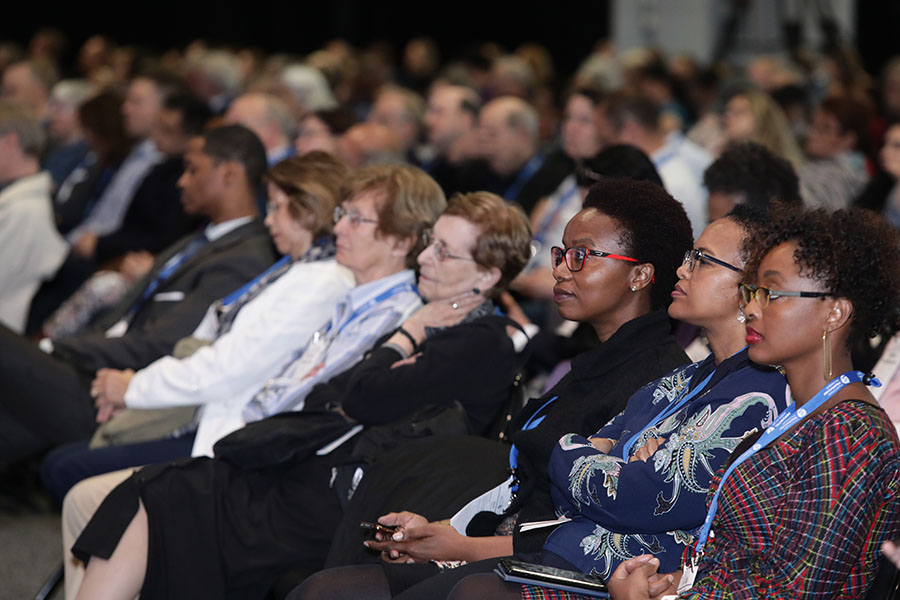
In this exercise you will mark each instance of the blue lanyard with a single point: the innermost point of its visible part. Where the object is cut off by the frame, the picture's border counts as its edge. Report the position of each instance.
(532, 422)
(522, 178)
(785, 422)
(246, 287)
(673, 406)
(551, 215)
(397, 289)
(185, 254)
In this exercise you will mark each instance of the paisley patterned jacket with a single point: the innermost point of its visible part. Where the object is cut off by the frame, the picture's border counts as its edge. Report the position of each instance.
(621, 509)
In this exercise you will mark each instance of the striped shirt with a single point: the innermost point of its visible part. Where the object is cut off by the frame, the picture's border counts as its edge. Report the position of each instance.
(365, 314)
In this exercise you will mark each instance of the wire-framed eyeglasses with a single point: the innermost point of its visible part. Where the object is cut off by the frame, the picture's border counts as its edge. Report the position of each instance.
(440, 248)
(354, 217)
(763, 295)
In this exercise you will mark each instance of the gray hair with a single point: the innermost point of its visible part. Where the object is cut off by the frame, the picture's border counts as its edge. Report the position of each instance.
(278, 112)
(222, 67)
(72, 92)
(524, 116)
(309, 87)
(17, 118)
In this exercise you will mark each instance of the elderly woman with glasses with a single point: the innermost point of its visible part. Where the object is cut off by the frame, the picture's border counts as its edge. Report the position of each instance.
(802, 510)
(270, 500)
(638, 485)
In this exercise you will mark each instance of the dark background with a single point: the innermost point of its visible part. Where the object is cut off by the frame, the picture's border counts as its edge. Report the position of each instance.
(568, 29)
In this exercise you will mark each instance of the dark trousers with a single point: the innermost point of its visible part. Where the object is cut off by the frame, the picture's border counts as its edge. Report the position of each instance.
(44, 401)
(69, 464)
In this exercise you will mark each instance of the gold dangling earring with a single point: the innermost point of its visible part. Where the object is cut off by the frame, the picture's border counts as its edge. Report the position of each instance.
(826, 358)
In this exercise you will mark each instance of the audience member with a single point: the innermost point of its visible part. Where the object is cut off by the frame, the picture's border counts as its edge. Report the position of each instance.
(63, 128)
(752, 116)
(100, 118)
(837, 171)
(635, 120)
(31, 247)
(549, 219)
(401, 110)
(748, 173)
(215, 76)
(146, 94)
(581, 140)
(309, 89)
(367, 143)
(882, 194)
(47, 400)
(451, 123)
(155, 217)
(29, 82)
(321, 130)
(508, 130)
(269, 119)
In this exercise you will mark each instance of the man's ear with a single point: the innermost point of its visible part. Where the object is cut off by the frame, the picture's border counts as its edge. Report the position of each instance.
(232, 172)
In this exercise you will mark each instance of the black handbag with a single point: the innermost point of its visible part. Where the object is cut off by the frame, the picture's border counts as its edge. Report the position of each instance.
(429, 420)
(286, 438)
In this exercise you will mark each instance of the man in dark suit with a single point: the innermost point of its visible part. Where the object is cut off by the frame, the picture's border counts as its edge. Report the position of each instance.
(46, 391)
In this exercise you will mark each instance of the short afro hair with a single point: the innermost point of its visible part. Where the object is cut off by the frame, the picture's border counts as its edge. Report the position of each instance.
(654, 228)
(617, 161)
(755, 172)
(854, 253)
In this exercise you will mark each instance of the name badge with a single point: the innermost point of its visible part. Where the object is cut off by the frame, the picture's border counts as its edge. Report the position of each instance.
(118, 329)
(688, 575)
(169, 297)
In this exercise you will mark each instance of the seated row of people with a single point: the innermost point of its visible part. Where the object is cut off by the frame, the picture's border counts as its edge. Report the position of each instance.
(475, 249)
(800, 502)
(657, 459)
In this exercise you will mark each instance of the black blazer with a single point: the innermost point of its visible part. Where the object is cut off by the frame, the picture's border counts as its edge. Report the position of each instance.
(177, 306)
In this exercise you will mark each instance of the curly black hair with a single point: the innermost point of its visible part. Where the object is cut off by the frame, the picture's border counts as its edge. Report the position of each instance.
(755, 220)
(854, 253)
(754, 171)
(655, 228)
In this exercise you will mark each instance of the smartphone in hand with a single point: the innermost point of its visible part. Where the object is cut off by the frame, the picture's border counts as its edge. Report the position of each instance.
(370, 529)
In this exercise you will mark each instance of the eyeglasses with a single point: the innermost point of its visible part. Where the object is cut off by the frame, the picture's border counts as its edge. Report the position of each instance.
(763, 294)
(271, 207)
(440, 248)
(355, 218)
(693, 255)
(576, 255)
